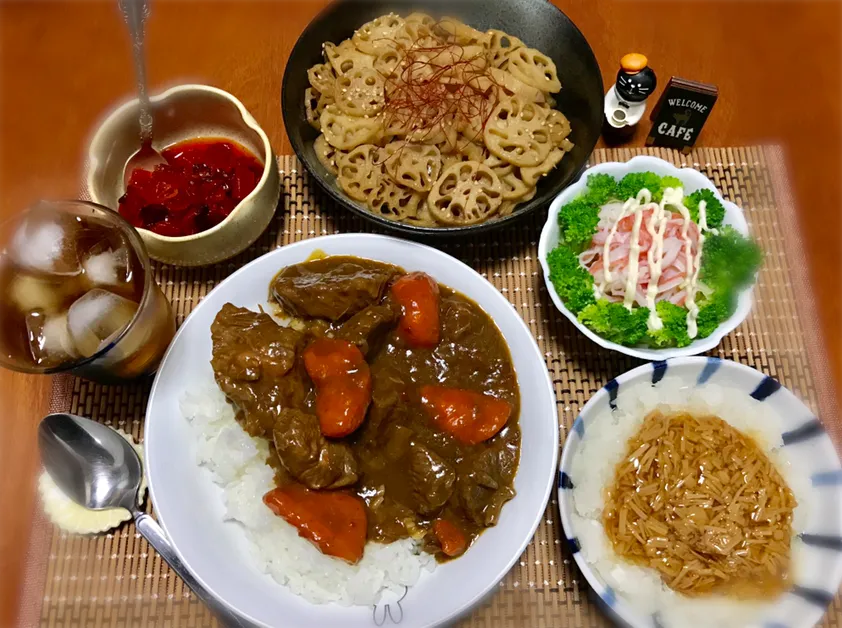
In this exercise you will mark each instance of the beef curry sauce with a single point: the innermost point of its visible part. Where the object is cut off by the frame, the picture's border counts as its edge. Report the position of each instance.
(390, 403)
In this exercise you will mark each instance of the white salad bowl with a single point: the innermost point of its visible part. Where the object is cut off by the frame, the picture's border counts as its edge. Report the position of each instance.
(693, 180)
(190, 507)
(808, 449)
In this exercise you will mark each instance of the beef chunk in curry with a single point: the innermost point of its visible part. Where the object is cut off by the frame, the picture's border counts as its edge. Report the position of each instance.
(432, 479)
(257, 366)
(332, 288)
(256, 363)
(308, 456)
(369, 326)
(398, 399)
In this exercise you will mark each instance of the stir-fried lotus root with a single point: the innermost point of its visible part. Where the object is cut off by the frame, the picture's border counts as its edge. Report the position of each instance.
(417, 17)
(407, 101)
(416, 166)
(417, 32)
(559, 127)
(322, 78)
(422, 218)
(395, 202)
(534, 68)
(458, 32)
(530, 176)
(346, 132)
(387, 61)
(345, 57)
(426, 126)
(378, 34)
(500, 46)
(499, 166)
(507, 207)
(360, 171)
(512, 87)
(510, 177)
(517, 132)
(514, 187)
(359, 92)
(465, 150)
(314, 105)
(465, 194)
(326, 154)
(463, 62)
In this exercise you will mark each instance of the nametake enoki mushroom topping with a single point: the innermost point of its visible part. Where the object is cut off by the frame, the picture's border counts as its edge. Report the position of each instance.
(702, 504)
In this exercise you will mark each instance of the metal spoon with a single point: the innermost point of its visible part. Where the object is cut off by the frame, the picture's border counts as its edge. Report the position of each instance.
(98, 469)
(135, 13)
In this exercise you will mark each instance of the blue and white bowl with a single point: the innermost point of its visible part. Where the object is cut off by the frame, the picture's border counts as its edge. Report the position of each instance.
(692, 180)
(817, 550)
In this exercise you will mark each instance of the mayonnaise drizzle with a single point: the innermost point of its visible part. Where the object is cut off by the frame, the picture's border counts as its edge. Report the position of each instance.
(634, 258)
(656, 226)
(632, 205)
(693, 286)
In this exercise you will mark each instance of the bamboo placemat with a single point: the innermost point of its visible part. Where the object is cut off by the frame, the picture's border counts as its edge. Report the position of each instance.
(116, 581)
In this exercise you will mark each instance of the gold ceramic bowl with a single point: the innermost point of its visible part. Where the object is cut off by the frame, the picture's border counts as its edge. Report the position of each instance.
(181, 113)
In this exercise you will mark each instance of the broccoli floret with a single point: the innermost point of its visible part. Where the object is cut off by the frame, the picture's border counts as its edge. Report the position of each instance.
(578, 219)
(714, 210)
(614, 322)
(670, 182)
(577, 223)
(571, 281)
(631, 184)
(713, 311)
(674, 330)
(729, 261)
(601, 189)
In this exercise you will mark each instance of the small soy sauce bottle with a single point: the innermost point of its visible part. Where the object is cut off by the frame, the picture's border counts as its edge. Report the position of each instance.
(625, 101)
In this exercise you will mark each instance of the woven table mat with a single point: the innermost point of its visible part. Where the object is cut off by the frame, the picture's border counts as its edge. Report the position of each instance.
(115, 580)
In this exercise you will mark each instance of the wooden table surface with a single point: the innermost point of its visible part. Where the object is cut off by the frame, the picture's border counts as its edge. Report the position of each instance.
(777, 65)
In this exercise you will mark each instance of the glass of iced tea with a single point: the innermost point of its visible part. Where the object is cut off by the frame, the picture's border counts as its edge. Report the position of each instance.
(78, 295)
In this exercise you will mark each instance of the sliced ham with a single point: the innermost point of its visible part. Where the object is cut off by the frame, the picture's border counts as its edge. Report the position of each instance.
(674, 272)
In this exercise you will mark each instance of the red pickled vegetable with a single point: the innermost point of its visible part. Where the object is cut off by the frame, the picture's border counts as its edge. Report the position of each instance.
(199, 186)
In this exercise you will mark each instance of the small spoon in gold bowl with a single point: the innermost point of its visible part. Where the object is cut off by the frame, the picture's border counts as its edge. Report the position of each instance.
(135, 13)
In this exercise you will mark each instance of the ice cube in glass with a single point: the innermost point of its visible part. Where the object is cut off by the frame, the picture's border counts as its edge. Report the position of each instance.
(30, 292)
(49, 339)
(96, 318)
(46, 242)
(108, 263)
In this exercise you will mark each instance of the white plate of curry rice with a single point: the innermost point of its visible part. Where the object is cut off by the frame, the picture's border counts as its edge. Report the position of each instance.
(700, 493)
(374, 442)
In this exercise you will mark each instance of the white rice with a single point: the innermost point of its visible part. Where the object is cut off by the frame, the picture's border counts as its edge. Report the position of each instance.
(604, 444)
(236, 463)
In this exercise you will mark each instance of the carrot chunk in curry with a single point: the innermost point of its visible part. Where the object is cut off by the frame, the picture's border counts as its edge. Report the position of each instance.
(343, 384)
(418, 296)
(450, 537)
(470, 416)
(334, 522)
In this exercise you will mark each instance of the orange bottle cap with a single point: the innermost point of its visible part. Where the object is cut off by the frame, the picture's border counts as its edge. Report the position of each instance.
(633, 62)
